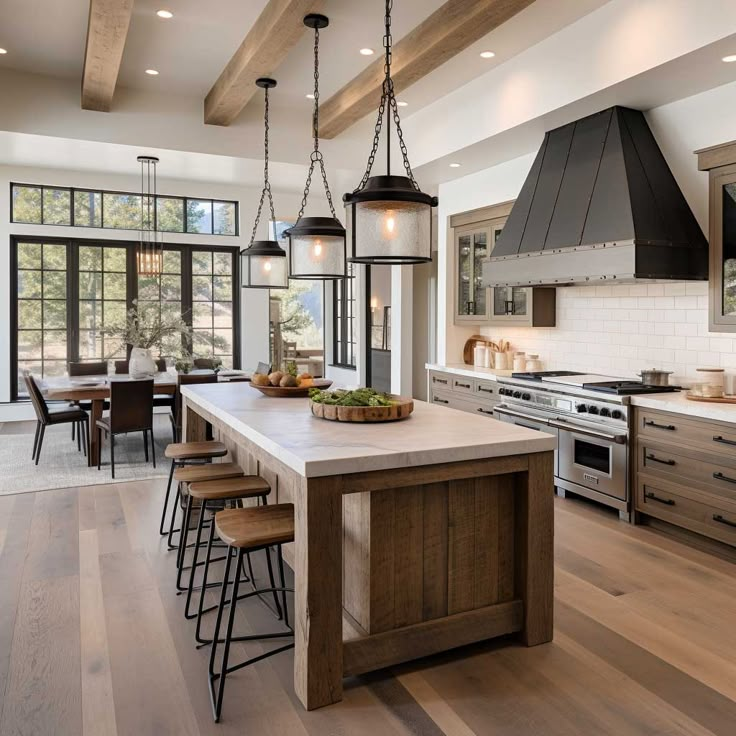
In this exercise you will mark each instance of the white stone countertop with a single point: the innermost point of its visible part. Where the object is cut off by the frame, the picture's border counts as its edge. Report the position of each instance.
(286, 429)
(679, 404)
(460, 369)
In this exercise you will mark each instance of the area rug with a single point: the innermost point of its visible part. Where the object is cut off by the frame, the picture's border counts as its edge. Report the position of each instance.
(62, 466)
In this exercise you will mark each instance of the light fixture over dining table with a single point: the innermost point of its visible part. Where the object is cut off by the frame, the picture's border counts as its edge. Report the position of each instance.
(264, 261)
(150, 252)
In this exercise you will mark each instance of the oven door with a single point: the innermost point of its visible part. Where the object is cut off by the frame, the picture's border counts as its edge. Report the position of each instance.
(593, 457)
(530, 421)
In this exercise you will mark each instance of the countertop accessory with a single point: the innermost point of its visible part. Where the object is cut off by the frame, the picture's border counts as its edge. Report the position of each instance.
(480, 354)
(712, 382)
(401, 409)
(654, 377)
(292, 391)
(725, 399)
(470, 344)
(533, 364)
(519, 364)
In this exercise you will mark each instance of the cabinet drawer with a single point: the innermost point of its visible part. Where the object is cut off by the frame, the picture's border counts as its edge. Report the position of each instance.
(486, 390)
(710, 473)
(463, 384)
(440, 380)
(463, 403)
(668, 502)
(716, 437)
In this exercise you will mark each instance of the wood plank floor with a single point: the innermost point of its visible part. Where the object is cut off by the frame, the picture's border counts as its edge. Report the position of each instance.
(93, 641)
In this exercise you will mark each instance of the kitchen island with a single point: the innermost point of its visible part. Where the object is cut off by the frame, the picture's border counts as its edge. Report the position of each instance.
(411, 537)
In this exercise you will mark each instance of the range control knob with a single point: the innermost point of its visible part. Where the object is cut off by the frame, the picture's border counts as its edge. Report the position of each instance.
(581, 408)
(605, 412)
(617, 414)
(592, 410)
(526, 397)
(517, 394)
(503, 391)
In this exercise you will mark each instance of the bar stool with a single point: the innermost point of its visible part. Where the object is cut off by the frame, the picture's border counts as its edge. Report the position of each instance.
(214, 493)
(190, 473)
(245, 531)
(184, 453)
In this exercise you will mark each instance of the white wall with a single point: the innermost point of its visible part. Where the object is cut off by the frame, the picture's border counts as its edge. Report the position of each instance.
(254, 303)
(614, 329)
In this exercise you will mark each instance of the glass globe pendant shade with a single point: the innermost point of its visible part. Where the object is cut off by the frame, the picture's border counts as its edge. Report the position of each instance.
(264, 266)
(390, 222)
(317, 249)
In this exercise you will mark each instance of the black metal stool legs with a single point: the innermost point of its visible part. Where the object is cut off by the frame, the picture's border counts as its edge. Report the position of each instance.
(161, 530)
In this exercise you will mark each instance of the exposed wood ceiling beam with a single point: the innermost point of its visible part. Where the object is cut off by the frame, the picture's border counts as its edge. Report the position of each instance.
(448, 31)
(272, 36)
(107, 30)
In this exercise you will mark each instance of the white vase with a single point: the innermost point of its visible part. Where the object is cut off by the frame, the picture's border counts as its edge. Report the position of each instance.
(141, 363)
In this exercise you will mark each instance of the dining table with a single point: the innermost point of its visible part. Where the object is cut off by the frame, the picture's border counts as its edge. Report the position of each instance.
(95, 389)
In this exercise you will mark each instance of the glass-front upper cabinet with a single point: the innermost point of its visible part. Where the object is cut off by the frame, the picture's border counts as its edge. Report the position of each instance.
(472, 249)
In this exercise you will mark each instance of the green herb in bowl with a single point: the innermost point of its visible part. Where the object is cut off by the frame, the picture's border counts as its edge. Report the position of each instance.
(356, 397)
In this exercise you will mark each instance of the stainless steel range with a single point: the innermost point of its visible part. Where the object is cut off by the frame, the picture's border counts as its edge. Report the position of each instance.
(589, 415)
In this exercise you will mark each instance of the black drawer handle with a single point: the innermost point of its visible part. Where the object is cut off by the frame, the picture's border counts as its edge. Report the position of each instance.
(485, 411)
(723, 440)
(439, 380)
(720, 476)
(659, 460)
(649, 423)
(654, 497)
(441, 401)
(462, 385)
(490, 391)
(722, 520)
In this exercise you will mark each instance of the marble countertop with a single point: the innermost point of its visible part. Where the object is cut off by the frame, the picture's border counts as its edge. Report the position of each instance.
(679, 404)
(286, 429)
(461, 369)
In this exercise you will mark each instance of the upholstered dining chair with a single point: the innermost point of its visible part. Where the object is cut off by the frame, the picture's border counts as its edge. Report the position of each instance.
(121, 366)
(46, 416)
(204, 364)
(131, 410)
(183, 380)
(96, 368)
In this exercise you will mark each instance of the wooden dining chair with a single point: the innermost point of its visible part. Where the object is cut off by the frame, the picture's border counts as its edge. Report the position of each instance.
(182, 380)
(46, 416)
(122, 366)
(97, 368)
(131, 410)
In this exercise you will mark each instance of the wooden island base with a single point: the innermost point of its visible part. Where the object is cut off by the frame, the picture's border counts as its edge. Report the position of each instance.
(392, 565)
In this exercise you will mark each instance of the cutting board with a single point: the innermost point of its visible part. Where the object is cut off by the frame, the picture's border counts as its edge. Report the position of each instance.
(711, 399)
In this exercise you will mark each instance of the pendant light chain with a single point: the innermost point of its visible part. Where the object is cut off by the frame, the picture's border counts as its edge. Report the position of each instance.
(266, 183)
(316, 155)
(388, 96)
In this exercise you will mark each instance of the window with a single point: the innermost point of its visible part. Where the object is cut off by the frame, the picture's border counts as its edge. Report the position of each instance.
(68, 293)
(42, 205)
(343, 320)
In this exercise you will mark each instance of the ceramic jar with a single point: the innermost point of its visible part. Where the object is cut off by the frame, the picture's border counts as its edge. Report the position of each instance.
(141, 363)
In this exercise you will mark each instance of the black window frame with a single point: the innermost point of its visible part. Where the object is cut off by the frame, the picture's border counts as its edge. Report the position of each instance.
(72, 290)
(344, 347)
(73, 190)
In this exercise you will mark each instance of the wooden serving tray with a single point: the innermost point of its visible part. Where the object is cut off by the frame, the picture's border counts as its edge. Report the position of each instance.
(361, 414)
(727, 399)
(294, 391)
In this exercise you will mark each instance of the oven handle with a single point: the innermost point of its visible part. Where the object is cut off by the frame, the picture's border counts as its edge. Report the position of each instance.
(619, 439)
(520, 415)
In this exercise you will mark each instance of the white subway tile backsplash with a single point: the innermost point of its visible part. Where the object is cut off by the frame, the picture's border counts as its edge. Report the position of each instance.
(623, 329)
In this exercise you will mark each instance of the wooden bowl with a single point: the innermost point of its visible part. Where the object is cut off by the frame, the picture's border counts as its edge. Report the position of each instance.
(361, 414)
(283, 391)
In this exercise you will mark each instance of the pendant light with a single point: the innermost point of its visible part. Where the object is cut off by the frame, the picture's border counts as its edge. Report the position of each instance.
(264, 261)
(316, 244)
(150, 252)
(389, 217)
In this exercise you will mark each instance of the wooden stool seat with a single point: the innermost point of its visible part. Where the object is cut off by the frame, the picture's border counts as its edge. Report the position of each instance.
(194, 450)
(257, 526)
(208, 471)
(227, 488)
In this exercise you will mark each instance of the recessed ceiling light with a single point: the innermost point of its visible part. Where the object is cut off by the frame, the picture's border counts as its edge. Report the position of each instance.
(310, 96)
(367, 52)
(487, 54)
(3, 51)
(164, 14)
(729, 58)
(152, 72)
(401, 103)
(454, 165)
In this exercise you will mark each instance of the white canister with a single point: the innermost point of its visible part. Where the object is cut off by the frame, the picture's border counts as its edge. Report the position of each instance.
(519, 362)
(712, 382)
(480, 352)
(533, 364)
(500, 361)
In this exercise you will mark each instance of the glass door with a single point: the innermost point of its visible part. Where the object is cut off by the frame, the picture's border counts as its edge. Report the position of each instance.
(471, 250)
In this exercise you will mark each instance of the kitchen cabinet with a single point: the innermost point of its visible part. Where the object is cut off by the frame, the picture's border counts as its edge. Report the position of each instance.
(686, 472)
(475, 235)
(462, 392)
(720, 162)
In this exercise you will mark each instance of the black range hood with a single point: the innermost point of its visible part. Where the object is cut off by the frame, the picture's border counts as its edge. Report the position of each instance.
(599, 204)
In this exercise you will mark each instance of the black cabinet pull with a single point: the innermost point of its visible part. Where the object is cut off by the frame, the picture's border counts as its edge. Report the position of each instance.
(441, 401)
(485, 411)
(490, 391)
(723, 440)
(439, 380)
(722, 520)
(659, 460)
(462, 385)
(649, 423)
(655, 497)
(720, 476)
